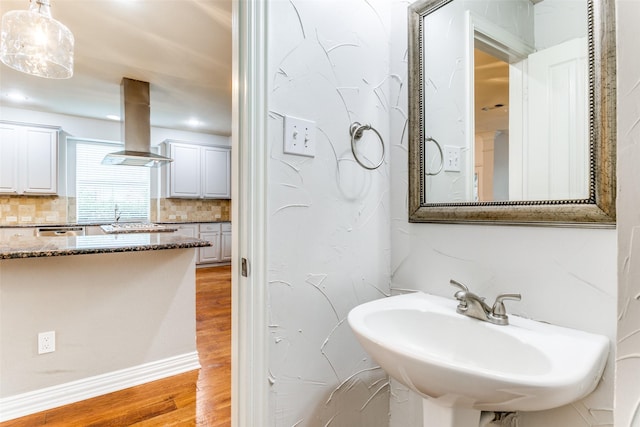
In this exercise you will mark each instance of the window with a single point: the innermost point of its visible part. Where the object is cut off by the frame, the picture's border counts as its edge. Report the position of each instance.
(101, 188)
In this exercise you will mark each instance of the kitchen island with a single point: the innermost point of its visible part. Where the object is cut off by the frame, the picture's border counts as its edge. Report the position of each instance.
(122, 308)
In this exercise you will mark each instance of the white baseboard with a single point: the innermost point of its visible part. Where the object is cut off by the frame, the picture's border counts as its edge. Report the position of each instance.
(51, 397)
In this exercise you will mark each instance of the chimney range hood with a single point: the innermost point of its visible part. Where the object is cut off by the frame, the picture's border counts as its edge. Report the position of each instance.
(136, 128)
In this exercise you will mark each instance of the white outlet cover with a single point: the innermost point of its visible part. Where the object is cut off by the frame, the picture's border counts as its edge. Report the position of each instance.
(452, 158)
(299, 136)
(46, 342)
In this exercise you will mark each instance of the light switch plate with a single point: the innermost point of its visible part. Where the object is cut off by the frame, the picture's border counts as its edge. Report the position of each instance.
(299, 136)
(452, 158)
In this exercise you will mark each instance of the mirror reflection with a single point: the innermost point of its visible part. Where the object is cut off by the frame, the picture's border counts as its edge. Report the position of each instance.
(505, 101)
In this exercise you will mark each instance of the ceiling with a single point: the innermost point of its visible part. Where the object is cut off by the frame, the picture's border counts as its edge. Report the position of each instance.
(491, 98)
(181, 47)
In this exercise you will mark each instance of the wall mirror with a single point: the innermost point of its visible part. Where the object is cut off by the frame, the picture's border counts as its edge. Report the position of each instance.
(512, 111)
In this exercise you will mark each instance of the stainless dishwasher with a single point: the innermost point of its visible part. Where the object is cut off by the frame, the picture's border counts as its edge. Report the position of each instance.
(60, 231)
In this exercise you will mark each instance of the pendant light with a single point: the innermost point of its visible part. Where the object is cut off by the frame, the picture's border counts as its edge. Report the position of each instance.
(33, 42)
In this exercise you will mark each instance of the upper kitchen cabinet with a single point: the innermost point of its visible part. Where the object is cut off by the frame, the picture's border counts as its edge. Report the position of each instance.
(197, 171)
(28, 159)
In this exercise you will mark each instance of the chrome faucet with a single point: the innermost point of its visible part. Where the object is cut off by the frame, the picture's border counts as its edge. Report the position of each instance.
(474, 306)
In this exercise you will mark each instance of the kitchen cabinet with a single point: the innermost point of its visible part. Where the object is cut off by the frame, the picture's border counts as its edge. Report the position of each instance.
(28, 159)
(197, 171)
(187, 230)
(13, 232)
(210, 233)
(216, 233)
(225, 244)
(219, 234)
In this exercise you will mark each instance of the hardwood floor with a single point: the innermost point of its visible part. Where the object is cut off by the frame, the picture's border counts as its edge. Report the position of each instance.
(198, 398)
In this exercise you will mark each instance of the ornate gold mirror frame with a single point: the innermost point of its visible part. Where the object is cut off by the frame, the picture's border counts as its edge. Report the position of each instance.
(598, 209)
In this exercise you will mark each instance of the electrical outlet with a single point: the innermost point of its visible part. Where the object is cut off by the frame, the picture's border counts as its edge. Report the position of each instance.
(46, 342)
(299, 136)
(452, 159)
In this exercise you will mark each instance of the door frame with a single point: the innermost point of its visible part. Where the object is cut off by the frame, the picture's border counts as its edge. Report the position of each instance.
(249, 346)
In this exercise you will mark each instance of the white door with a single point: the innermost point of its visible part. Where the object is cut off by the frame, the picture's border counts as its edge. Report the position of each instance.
(554, 150)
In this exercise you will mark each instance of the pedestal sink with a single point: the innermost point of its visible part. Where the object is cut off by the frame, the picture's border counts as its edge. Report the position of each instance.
(462, 366)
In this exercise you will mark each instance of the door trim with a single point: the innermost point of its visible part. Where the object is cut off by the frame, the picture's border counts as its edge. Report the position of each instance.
(249, 395)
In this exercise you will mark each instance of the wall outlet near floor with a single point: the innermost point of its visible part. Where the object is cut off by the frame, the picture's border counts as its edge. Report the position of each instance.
(46, 342)
(299, 137)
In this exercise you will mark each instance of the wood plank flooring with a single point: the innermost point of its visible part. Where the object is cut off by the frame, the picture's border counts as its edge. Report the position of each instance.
(197, 398)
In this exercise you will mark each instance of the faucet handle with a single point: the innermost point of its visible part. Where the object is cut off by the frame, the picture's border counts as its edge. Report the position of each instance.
(459, 285)
(498, 307)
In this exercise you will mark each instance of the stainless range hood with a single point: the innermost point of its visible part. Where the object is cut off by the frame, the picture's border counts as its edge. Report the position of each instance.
(136, 128)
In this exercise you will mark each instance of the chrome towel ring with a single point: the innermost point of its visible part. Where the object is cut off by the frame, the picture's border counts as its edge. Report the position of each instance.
(427, 139)
(356, 130)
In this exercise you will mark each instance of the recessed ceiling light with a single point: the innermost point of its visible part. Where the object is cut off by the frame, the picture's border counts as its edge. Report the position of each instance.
(17, 96)
(194, 122)
(113, 117)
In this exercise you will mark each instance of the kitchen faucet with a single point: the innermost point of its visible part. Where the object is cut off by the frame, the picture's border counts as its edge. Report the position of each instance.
(474, 306)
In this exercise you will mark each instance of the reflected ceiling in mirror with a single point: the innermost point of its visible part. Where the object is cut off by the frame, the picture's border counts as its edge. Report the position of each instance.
(512, 111)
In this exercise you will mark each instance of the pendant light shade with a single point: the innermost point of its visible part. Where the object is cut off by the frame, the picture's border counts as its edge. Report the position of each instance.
(35, 43)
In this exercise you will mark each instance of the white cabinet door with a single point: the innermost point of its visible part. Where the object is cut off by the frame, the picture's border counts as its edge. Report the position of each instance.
(210, 253)
(225, 244)
(28, 159)
(8, 159)
(211, 233)
(187, 230)
(216, 168)
(16, 232)
(216, 162)
(40, 161)
(184, 171)
(197, 171)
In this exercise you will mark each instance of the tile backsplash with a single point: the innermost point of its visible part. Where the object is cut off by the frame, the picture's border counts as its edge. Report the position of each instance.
(20, 210)
(25, 210)
(169, 210)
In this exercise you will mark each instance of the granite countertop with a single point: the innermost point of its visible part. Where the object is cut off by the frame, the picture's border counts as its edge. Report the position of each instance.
(103, 223)
(34, 247)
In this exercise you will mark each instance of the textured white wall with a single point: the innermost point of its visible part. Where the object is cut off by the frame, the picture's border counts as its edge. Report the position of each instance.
(628, 342)
(328, 217)
(566, 276)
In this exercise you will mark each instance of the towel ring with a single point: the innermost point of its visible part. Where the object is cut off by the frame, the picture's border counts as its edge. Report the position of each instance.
(441, 157)
(356, 130)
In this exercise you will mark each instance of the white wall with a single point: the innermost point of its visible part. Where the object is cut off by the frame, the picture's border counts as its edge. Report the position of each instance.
(566, 276)
(115, 311)
(328, 246)
(558, 21)
(628, 343)
(102, 129)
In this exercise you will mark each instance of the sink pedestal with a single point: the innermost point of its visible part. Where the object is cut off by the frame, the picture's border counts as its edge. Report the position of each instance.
(448, 416)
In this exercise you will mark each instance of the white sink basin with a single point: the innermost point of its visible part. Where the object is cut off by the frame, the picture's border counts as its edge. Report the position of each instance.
(421, 341)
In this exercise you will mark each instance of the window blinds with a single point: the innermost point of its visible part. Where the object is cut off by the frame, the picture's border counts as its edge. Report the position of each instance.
(99, 188)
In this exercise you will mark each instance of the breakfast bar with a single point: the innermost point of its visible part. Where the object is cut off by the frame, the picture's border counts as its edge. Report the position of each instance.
(122, 307)
(36, 246)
